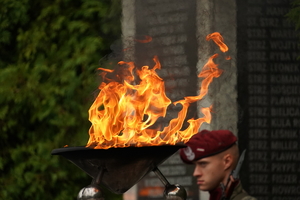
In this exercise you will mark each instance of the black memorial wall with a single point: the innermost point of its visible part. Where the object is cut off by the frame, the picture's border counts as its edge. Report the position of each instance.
(269, 99)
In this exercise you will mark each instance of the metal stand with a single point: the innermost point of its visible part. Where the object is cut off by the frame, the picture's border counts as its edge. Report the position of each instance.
(176, 192)
(92, 191)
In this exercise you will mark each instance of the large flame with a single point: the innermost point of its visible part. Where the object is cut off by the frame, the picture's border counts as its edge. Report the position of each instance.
(124, 112)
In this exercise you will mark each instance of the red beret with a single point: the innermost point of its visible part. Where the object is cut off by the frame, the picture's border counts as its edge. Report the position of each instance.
(207, 143)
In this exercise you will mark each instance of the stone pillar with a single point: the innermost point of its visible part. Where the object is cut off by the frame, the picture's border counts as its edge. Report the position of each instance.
(219, 16)
(178, 30)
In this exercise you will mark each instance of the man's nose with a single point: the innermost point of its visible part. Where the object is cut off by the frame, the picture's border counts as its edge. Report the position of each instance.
(197, 171)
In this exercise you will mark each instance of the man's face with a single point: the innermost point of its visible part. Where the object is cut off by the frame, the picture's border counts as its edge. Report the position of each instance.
(209, 172)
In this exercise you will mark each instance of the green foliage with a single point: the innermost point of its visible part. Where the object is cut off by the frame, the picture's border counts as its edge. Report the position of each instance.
(49, 51)
(294, 13)
(294, 16)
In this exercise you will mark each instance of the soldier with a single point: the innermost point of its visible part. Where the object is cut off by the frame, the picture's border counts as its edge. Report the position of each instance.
(215, 155)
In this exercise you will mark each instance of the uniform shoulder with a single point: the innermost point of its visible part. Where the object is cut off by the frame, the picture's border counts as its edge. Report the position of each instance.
(248, 198)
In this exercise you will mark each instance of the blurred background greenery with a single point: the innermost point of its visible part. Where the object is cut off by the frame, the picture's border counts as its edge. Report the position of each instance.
(49, 53)
(294, 14)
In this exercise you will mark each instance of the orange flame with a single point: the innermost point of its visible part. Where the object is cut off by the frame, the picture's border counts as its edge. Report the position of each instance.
(218, 39)
(123, 112)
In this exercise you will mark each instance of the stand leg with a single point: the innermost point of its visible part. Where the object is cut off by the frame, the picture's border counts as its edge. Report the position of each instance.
(175, 192)
(92, 191)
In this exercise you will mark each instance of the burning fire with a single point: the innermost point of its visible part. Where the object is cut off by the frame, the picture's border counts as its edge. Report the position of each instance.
(123, 112)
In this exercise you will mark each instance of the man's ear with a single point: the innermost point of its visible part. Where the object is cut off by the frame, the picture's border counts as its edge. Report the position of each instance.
(228, 161)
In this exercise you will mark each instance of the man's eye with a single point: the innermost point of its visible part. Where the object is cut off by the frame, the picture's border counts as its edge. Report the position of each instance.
(203, 164)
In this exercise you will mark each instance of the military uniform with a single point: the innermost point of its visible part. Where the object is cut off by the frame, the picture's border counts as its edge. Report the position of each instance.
(240, 194)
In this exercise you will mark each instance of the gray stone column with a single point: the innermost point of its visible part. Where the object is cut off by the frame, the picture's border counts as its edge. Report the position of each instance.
(219, 16)
(128, 23)
(179, 29)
